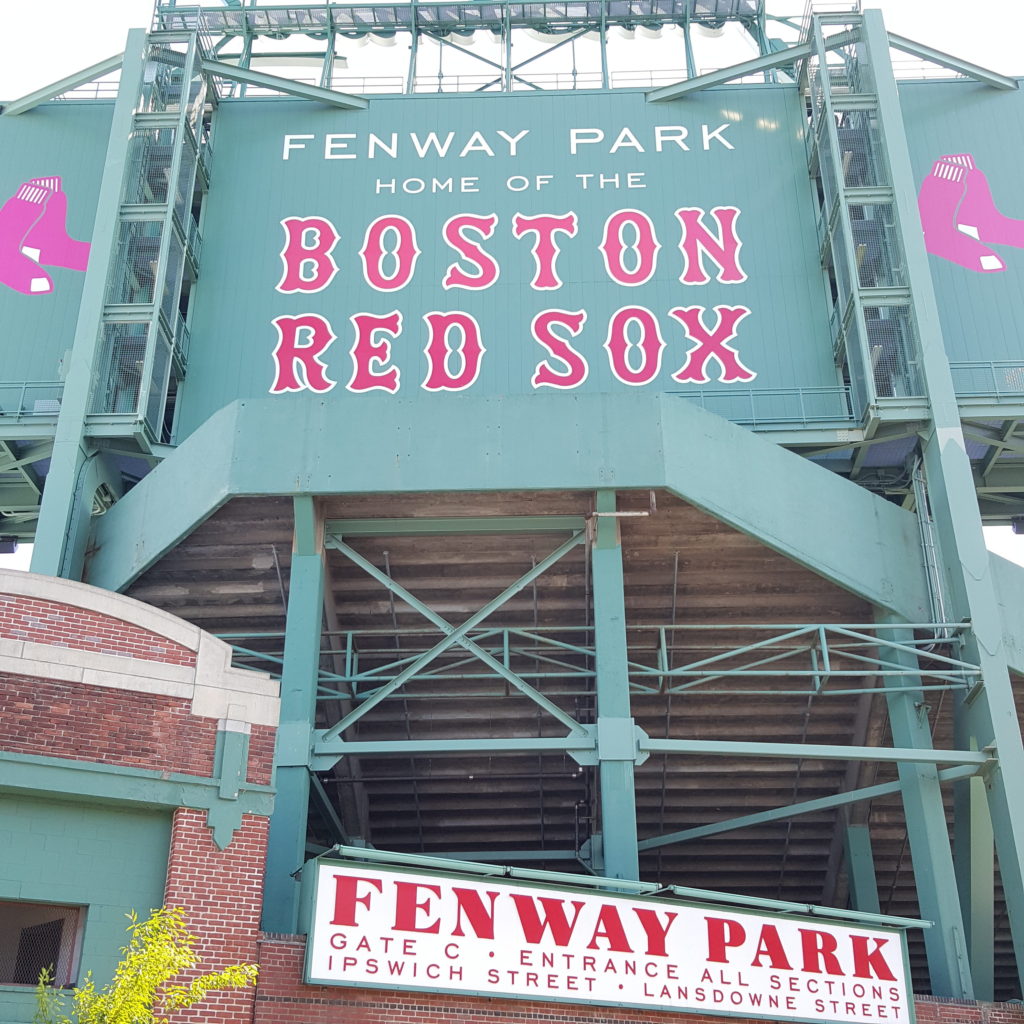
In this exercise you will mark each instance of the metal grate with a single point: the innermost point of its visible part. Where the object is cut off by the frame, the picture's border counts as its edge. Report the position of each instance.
(149, 165)
(893, 351)
(37, 937)
(124, 355)
(876, 246)
(134, 266)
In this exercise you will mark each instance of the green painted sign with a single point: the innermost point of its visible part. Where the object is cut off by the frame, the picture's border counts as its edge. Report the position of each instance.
(500, 244)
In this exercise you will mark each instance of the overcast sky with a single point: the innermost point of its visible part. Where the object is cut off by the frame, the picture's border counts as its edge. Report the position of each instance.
(79, 33)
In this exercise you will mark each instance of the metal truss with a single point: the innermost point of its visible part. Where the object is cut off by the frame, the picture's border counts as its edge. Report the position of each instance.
(823, 659)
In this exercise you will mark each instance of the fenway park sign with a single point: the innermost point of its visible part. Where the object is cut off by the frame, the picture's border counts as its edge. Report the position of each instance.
(381, 928)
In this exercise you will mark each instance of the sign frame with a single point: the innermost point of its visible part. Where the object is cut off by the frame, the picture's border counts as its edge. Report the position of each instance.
(316, 870)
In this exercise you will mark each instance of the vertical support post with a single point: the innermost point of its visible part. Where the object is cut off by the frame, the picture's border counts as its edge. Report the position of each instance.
(691, 64)
(934, 874)
(414, 49)
(64, 503)
(860, 869)
(615, 728)
(286, 848)
(508, 46)
(986, 717)
(604, 44)
(974, 858)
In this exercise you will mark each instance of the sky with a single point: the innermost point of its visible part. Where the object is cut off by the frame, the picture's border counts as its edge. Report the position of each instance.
(84, 33)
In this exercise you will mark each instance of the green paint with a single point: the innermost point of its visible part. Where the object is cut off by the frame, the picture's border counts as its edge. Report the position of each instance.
(110, 860)
(286, 844)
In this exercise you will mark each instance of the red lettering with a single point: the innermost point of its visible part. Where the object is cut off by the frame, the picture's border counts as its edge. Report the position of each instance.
(609, 927)
(870, 962)
(487, 269)
(724, 249)
(403, 254)
(576, 367)
(655, 930)
(712, 343)
(554, 919)
(308, 264)
(297, 363)
(723, 933)
(645, 247)
(621, 348)
(370, 355)
(438, 350)
(345, 898)
(770, 945)
(480, 918)
(545, 249)
(407, 909)
(819, 948)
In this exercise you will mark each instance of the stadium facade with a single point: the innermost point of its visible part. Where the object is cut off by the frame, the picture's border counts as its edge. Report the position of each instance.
(508, 542)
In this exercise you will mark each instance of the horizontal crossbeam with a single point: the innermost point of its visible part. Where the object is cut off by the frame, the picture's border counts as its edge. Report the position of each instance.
(444, 525)
(814, 751)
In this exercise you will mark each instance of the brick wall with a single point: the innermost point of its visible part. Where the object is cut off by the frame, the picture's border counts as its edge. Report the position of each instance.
(281, 998)
(221, 892)
(92, 723)
(64, 625)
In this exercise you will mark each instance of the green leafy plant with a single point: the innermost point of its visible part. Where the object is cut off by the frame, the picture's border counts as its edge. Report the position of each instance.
(141, 992)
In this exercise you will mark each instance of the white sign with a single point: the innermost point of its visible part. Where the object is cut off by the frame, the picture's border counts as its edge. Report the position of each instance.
(380, 928)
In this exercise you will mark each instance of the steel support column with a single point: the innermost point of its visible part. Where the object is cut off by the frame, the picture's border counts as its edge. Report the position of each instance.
(287, 843)
(860, 869)
(987, 715)
(973, 857)
(925, 814)
(615, 727)
(65, 505)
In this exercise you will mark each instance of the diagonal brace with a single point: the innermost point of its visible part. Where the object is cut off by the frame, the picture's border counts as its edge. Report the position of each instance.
(455, 635)
(48, 92)
(792, 810)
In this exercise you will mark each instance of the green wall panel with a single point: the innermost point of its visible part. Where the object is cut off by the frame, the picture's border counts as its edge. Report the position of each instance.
(57, 140)
(762, 172)
(979, 311)
(108, 860)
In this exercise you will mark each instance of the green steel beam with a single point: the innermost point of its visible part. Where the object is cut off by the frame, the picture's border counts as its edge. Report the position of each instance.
(48, 92)
(945, 60)
(785, 907)
(118, 784)
(824, 803)
(925, 815)
(987, 716)
(327, 750)
(246, 76)
(723, 75)
(616, 729)
(974, 858)
(815, 752)
(860, 868)
(452, 525)
(454, 635)
(273, 446)
(62, 503)
(286, 845)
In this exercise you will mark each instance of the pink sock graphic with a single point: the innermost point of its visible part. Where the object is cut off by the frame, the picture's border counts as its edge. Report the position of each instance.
(941, 195)
(48, 240)
(17, 216)
(977, 215)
